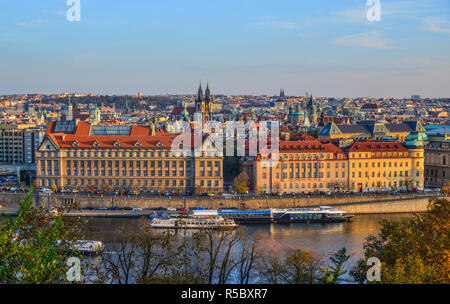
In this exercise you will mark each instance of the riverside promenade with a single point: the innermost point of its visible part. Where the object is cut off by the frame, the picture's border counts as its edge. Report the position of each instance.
(354, 204)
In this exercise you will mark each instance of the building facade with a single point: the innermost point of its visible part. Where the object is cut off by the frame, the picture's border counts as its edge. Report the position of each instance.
(78, 155)
(303, 166)
(376, 166)
(310, 166)
(19, 143)
(437, 166)
(370, 129)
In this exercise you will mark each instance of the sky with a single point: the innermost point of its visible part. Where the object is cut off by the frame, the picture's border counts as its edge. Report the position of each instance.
(326, 47)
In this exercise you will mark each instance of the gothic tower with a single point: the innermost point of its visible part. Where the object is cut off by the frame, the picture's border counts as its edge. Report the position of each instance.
(204, 104)
(208, 105)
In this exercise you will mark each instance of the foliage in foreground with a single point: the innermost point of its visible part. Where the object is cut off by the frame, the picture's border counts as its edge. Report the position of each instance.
(35, 245)
(415, 251)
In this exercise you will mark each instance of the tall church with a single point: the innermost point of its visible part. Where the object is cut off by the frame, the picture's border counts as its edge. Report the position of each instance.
(204, 104)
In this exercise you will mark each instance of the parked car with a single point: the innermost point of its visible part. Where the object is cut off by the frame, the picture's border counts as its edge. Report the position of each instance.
(171, 209)
(45, 190)
(75, 191)
(137, 209)
(174, 194)
(101, 208)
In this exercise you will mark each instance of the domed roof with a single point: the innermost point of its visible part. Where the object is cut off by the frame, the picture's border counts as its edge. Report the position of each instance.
(413, 143)
(419, 136)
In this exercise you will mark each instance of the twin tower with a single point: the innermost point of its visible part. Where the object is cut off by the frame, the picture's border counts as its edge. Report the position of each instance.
(204, 104)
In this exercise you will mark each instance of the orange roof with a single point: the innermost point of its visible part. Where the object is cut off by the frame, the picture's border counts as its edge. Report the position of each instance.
(67, 141)
(308, 147)
(378, 147)
(83, 128)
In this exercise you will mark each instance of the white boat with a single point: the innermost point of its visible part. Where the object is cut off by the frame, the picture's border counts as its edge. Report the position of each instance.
(194, 222)
(86, 247)
(322, 214)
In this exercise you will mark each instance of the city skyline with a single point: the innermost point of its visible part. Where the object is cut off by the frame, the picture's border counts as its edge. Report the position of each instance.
(249, 48)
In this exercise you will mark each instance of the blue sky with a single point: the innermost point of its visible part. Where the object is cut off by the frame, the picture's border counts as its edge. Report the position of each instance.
(325, 47)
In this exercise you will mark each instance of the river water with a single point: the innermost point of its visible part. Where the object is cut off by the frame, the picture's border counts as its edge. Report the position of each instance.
(322, 238)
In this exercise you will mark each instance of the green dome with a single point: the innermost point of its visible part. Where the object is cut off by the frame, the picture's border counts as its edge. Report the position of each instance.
(413, 143)
(418, 136)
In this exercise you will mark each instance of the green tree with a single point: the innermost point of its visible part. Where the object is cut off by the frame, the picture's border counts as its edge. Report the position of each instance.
(34, 246)
(414, 251)
(302, 266)
(336, 270)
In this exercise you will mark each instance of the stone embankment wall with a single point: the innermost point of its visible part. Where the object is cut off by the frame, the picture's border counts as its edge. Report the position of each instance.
(354, 204)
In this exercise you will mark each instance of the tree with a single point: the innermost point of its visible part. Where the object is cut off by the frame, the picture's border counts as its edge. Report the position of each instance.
(107, 188)
(411, 251)
(270, 261)
(34, 246)
(446, 189)
(91, 188)
(302, 266)
(199, 189)
(334, 273)
(241, 183)
(247, 255)
(277, 188)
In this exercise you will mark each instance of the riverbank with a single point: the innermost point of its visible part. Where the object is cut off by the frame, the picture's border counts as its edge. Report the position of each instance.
(409, 205)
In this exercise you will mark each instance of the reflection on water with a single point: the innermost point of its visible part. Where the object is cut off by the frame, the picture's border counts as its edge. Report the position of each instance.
(319, 237)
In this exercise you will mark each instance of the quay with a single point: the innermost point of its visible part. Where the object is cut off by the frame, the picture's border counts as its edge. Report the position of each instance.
(392, 205)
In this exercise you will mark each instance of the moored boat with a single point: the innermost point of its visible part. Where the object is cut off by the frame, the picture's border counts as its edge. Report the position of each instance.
(194, 222)
(322, 214)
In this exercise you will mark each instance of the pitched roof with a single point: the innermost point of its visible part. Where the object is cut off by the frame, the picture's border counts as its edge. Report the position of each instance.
(378, 147)
(308, 147)
(399, 127)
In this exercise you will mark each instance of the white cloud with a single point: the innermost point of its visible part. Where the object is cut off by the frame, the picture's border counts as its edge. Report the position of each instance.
(270, 23)
(369, 39)
(436, 25)
(33, 23)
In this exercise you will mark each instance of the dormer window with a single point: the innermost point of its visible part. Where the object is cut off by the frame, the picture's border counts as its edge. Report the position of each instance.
(75, 144)
(116, 143)
(96, 144)
(138, 144)
(159, 144)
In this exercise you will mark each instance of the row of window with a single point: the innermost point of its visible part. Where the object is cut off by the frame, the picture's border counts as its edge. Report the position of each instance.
(124, 163)
(385, 174)
(128, 182)
(388, 164)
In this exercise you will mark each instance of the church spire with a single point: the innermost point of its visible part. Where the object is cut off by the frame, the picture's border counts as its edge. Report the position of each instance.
(207, 93)
(200, 93)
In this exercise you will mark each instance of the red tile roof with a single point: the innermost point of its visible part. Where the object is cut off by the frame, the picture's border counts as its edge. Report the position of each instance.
(67, 141)
(378, 147)
(308, 147)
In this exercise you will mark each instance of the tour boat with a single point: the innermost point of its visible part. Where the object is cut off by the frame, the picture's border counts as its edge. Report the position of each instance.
(194, 222)
(322, 214)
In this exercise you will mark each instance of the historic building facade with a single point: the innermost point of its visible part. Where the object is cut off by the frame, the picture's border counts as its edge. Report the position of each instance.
(303, 166)
(370, 129)
(309, 166)
(78, 155)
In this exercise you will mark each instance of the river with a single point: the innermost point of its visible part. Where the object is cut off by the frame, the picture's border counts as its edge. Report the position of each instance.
(324, 238)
